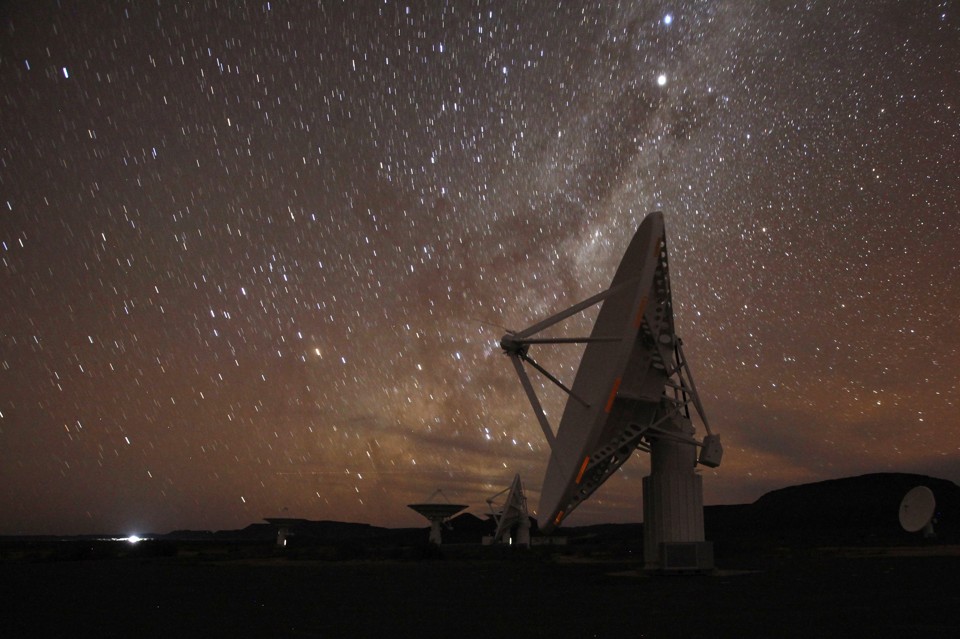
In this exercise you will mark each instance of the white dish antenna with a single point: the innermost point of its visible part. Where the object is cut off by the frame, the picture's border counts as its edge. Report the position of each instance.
(436, 513)
(917, 509)
(285, 526)
(511, 514)
(633, 389)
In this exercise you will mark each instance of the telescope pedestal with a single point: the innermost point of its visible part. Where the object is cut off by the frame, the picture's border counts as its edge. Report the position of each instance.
(523, 532)
(435, 526)
(672, 498)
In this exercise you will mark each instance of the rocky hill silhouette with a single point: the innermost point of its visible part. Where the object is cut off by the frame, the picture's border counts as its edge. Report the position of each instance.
(859, 510)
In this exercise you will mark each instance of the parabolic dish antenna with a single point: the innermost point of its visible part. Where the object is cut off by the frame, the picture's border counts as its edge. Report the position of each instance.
(633, 389)
(916, 510)
(436, 513)
(511, 514)
(284, 526)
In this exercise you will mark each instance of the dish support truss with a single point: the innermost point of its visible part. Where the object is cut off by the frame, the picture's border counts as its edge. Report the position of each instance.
(671, 419)
(663, 428)
(511, 515)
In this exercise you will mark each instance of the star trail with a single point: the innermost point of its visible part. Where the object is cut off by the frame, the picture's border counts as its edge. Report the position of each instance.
(257, 257)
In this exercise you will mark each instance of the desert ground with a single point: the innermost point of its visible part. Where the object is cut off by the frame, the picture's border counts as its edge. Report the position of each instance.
(883, 592)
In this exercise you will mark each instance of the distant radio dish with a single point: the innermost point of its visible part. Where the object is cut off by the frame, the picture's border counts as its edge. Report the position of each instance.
(917, 509)
(436, 513)
(633, 389)
(511, 515)
(285, 526)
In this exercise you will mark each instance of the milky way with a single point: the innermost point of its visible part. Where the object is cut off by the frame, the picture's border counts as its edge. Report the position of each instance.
(257, 257)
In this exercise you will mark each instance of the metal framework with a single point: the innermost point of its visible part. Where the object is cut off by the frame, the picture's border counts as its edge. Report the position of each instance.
(680, 394)
(635, 374)
(511, 514)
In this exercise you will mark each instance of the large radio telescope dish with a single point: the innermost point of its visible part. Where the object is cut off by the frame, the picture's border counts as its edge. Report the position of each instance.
(633, 389)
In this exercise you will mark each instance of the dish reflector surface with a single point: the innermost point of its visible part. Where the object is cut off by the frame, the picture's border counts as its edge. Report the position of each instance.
(437, 511)
(916, 509)
(621, 382)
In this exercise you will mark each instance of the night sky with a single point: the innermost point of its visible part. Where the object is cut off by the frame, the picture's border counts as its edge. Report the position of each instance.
(257, 257)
